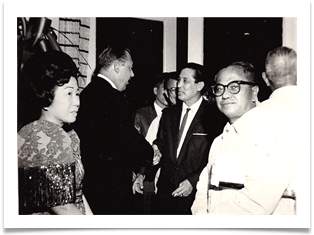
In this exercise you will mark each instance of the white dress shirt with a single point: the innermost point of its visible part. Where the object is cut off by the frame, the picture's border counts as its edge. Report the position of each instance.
(152, 134)
(258, 151)
(108, 80)
(153, 128)
(194, 108)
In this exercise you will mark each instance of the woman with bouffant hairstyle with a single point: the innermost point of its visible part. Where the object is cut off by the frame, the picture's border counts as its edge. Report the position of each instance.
(50, 168)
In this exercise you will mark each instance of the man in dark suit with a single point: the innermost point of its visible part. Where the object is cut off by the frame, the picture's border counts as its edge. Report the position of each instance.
(111, 147)
(184, 158)
(147, 122)
(165, 92)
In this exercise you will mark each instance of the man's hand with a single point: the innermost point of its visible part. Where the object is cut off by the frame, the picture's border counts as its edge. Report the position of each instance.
(185, 188)
(157, 155)
(138, 184)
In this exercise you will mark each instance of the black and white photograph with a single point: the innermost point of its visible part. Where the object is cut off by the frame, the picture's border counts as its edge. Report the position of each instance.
(166, 117)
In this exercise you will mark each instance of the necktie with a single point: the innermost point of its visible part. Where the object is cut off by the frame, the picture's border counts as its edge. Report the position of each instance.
(185, 117)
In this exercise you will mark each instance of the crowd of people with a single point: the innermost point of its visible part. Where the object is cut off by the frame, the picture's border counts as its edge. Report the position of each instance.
(89, 153)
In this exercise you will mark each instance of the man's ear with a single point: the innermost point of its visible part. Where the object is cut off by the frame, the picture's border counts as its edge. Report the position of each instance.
(155, 90)
(265, 78)
(200, 86)
(255, 89)
(255, 93)
(116, 66)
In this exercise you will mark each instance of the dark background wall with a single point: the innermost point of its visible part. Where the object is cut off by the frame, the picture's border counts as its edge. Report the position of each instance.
(182, 41)
(227, 40)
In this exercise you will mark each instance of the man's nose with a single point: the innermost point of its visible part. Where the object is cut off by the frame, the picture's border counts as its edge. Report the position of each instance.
(226, 94)
(179, 83)
(132, 74)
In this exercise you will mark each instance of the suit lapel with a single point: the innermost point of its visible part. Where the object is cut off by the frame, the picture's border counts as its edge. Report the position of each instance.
(195, 122)
(147, 117)
(152, 113)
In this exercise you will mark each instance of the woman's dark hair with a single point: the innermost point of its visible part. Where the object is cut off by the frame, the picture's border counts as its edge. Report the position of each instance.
(40, 76)
(47, 70)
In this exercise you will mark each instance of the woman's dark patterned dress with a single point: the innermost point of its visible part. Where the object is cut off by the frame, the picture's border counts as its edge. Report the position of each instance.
(50, 167)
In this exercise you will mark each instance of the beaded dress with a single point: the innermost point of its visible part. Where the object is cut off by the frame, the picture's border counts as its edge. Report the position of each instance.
(50, 168)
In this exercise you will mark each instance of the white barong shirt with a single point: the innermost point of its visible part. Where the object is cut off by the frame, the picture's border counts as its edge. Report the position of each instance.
(257, 153)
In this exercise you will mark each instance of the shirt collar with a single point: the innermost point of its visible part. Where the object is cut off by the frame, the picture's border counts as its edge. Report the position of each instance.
(241, 124)
(286, 90)
(108, 80)
(158, 109)
(194, 107)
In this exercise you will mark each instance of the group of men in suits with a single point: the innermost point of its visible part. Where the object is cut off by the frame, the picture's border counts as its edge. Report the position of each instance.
(183, 156)
(147, 120)
(167, 147)
(114, 153)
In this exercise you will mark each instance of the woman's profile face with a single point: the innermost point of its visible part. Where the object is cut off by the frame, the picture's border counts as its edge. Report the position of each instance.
(65, 105)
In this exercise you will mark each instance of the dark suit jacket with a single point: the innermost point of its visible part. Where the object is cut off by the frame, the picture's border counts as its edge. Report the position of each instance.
(143, 119)
(192, 159)
(111, 148)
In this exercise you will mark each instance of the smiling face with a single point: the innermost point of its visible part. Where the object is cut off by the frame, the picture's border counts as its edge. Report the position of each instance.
(235, 105)
(65, 104)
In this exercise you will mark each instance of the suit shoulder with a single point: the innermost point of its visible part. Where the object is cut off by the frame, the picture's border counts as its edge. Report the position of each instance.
(145, 109)
(97, 89)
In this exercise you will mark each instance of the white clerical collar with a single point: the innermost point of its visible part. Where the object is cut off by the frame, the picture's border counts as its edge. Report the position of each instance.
(108, 80)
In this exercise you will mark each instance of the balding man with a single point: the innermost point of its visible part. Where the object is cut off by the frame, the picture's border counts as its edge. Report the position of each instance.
(257, 176)
(278, 121)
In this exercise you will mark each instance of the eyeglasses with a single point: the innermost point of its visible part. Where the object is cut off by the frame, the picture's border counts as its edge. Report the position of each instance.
(233, 87)
(172, 90)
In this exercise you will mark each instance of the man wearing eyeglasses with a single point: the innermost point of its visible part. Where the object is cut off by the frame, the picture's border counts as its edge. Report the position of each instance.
(184, 137)
(251, 167)
(230, 156)
(145, 116)
(170, 85)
